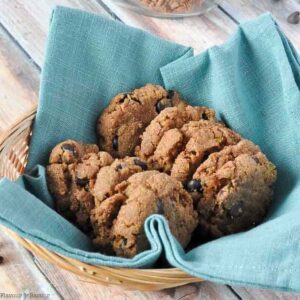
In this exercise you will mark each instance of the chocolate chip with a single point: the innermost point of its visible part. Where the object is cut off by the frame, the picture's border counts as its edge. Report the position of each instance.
(118, 167)
(236, 210)
(160, 206)
(204, 116)
(115, 143)
(294, 18)
(160, 106)
(1, 259)
(82, 181)
(141, 164)
(171, 94)
(68, 147)
(194, 186)
(122, 99)
(256, 159)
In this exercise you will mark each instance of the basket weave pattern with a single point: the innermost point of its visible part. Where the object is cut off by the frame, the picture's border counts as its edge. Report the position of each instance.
(13, 158)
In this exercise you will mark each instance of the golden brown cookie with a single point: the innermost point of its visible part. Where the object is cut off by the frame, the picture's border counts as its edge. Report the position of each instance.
(69, 151)
(83, 180)
(71, 174)
(124, 120)
(232, 189)
(170, 6)
(201, 139)
(109, 176)
(121, 217)
(163, 139)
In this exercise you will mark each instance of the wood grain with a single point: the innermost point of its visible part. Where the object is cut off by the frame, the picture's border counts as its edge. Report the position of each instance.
(27, 21)
(64, 283)
(242, 10)
(19, 81)
(19, 274)
(254, 294)
(198, 32)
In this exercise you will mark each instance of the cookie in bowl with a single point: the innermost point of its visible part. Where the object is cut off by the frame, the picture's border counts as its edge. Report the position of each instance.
(163, 139)
(120, 125)
(232, 189)
(118, 221)
(108, 177)
(71, 174)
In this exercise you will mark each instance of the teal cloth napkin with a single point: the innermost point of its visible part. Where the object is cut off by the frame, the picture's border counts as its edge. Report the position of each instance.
(252, 81)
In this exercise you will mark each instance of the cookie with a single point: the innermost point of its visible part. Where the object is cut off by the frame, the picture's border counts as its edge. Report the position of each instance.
(61, 165)
(169, 6)
(69, 151)
(120, 125)
(161, 142)
(135, 199)
(120, 170)
(201, 139)
(71, 173)
(232, 189)
(102, 219)
(58, 182)
(83, 177)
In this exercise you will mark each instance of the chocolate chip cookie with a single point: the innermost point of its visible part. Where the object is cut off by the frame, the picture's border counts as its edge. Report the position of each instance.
(170, 6)
(174, 144)
(119, 220)
(69, 151)
(108, 177)
(201, 138)
(71, 174)
(83, 177)
(61, 165)
(232, 189)
(120, 125)
(163, 139)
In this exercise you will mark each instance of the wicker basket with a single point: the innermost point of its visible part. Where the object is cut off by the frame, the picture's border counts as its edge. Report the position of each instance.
(13, 158)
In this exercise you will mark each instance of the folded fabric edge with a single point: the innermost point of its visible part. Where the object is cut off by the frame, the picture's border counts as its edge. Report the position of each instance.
(70, 15)
(144, 259)
(292, 55)
(174, 257)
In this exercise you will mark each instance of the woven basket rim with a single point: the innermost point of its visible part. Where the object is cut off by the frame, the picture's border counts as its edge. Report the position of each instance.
(130, 278)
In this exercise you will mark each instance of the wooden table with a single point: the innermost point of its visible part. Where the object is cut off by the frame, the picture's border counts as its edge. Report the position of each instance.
(23, 32)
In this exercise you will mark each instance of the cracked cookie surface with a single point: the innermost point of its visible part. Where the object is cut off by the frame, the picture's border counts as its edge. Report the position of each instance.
(138, 197)
(120, 125)
(83, 179)
(70, 174)
(163, 139)
(202, 138)
(70, 151)
(108, 177)
(233, 189)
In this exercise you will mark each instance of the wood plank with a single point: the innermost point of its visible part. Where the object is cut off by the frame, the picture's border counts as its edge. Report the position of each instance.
(19, 81)
(254, 294)
(18, 273)
(28, 21)
(242, 10)
(198, 32)
(65, 282)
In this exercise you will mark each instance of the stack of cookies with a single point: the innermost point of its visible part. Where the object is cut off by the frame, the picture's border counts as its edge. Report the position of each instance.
(158, 155)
